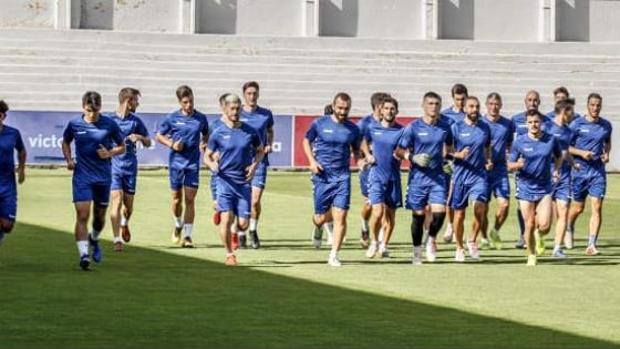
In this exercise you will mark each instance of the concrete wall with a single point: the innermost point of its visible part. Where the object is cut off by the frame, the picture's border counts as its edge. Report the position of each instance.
(27, 14)
(484, 20)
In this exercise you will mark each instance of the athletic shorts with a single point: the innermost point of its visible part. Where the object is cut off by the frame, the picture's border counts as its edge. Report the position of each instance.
(180, 178)
(213, 186)
(589, 182)
(423, 193)
(8, 206)
(476, 190)
(331, 194)
(234, 197)
(260, 176)
(499, 185)
(124, 182)
(99, 193)
(562, 189)
(364, 182)
(385, 192)
(526, 193)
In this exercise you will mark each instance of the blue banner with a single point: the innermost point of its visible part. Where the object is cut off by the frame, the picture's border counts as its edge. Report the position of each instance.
(42, 134)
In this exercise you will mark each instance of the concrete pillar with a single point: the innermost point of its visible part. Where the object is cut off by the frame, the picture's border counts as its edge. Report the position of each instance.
(62, 14)
(310, 22)
(430, 19)
(187, 16)
(546, 21)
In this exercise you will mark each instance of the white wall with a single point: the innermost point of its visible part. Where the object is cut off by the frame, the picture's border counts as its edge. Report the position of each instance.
(604, 20)
(29, 14)
(270, 17)
(151, 15)
(390, 18)
(511, 20)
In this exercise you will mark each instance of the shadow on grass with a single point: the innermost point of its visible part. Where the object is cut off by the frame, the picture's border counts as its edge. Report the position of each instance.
(145, 298)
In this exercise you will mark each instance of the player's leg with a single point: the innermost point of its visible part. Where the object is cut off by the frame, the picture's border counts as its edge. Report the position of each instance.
(189, 214)
(480, 207)
(257, 195)
(101, 200)
(116, 203)
(323, 196)
(8, 211)
(449, 232)
(458, 202)
(375, 225)
(129, 191)
(561, 207)
(437, 198)
(389, 222)
(366, 211)
(529, 219)
(82, 214)
(216, 213)
(340, 208)
(579, 190)
(227, 220)
(596, 191)
(176, 203)
(544, 216)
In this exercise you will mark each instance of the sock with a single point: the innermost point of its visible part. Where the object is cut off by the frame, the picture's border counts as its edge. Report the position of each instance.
(178, 222)
(521, 222)
(373, 243)
(430, 240)
(229, 254)
(187, 230)
(333, 254)
(436, 223)
(556, 248)
(364, 224)
(592, 240)
(329, 228)
(95, 234)
(253, 224)
(381, 235)
(241, 233)
(382, 246)
(82, 246)
(124, 221)
(417, 229)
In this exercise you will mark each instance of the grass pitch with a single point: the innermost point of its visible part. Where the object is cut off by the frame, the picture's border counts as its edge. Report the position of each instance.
(157, 295)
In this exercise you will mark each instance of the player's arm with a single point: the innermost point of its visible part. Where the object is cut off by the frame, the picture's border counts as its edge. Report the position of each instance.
(118, 149)
(66, 153)
(584, 154)
(515, 161)
(606, 152)
(21, 165)
(366, 153)
(270, 136)
(211, 160)
(168, 142)
(310, 136)
(488, 153)
(259, 151)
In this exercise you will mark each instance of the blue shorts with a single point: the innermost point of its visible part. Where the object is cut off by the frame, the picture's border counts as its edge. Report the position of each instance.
(385, 192)
(99, 193)
(526, 193)
(589, 182)
(476, 190)
(562, 189)
(331, 194)
(364, 182)
(180, 178)
(124, 182)
(234, 197)
(260, 176)
(213, 186)
(499, 185)
(8, 206)
(423, 193)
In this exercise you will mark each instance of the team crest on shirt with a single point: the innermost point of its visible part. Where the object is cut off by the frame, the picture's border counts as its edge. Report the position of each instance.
(423, 134)
(179, 123)
(465, 134)
(81, 132)
(327, 130)
(226, 136)
(528, 149)
(584, 130)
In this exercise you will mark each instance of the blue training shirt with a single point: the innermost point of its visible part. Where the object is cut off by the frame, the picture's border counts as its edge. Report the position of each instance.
(10, 141)
(189, 130)
(592, 136)
(453, 115)
(127, 163)
(236, 147)
(88, 137)
(260, 120)
(538, 155)
(563, 135)
(502, 135)
(420, 137)
(383, 141)
(520, 123)
(477, 137)
(331, 143)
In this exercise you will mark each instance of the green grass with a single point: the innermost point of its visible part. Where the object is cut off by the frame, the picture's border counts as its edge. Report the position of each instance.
(284, 295)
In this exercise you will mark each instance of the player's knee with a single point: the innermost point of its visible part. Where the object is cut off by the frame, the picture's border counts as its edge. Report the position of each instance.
(189, 201)
(377, 211)
(6, 225)
(319, 219)
(243, 224)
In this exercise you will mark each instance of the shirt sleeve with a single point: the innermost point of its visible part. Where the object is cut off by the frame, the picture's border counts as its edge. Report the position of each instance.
(256, 142)
(204, 126)
(454, 132)
(357, 139)
(312, 133)
(406, 141)
(574, 128)
(141, 128)
(116, 134)
(67, 135)
(19, 142)
(608, 136)
(212, 143)
(269, 120)
(511, 133)
(165, 128)
(514, 152)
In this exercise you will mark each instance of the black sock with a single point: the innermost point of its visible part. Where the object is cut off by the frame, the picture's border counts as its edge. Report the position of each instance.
(417, 229)
(438, 218)
(521, 222)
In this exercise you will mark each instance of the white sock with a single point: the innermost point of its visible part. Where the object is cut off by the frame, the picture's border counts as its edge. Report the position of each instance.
(187, 230)
(382, 246)
(333, 254)
(95, 234)
(124, 221)
(364, 225)
(178, 222)
(430, 240)
(82, 247)
(253, 224)
(241, 233)
(329, 228)
(118, 239)
(381, 235)
(556, 248)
